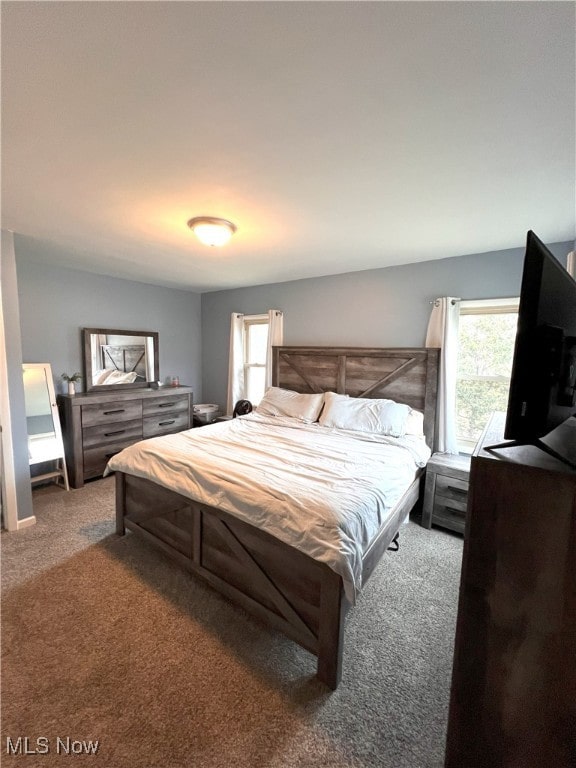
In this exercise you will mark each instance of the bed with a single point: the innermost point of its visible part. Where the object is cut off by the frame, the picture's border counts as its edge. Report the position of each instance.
(278, 572)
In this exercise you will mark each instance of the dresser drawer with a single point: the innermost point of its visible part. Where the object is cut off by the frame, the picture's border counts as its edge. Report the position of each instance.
(164, 424)
(104, 434)
(106, 413)
(159, 405)
(95, 459)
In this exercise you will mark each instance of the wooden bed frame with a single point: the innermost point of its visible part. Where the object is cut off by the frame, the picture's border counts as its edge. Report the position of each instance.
(290, 591)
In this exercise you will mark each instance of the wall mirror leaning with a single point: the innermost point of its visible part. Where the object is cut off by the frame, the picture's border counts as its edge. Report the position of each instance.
(43, 423)
(116, 359)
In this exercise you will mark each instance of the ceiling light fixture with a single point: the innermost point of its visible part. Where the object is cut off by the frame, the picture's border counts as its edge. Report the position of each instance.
(212, 231)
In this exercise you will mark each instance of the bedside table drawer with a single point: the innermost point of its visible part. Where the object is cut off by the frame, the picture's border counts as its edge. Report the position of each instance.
(450, 502)
(449, 513)
(452, 488)
(446, 502)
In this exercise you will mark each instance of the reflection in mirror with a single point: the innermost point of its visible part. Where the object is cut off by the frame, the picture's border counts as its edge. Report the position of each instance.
(119, 358)
(42, 422)
(39, 421)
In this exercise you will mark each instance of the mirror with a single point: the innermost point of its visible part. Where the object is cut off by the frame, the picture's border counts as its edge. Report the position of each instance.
(42, 421)
(119, 359)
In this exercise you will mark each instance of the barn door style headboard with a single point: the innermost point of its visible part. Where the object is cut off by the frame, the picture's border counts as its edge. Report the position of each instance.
(406, 375)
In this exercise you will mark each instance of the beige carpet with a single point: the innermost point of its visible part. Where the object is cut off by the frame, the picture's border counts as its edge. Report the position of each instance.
(104, 639)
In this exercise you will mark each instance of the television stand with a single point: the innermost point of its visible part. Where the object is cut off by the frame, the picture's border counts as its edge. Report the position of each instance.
(512, 699)
(559, 443)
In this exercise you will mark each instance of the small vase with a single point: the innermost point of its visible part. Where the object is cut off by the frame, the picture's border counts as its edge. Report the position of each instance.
(71, 388)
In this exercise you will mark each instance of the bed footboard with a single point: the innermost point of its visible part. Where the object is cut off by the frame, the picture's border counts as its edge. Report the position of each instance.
(285, 588)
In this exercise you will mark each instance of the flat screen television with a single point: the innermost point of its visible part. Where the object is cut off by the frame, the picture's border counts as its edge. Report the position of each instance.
(543, 384)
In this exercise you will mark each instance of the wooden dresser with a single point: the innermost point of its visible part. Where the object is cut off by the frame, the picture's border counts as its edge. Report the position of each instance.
(97, 425)
(513, 699)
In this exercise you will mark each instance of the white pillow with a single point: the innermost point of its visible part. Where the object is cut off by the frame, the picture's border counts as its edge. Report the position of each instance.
(284, 402)
(415, 423)
(99, 377)
(384, 417)
(119, 377)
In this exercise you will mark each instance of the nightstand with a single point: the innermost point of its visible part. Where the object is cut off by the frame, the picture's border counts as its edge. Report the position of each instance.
(446, 491)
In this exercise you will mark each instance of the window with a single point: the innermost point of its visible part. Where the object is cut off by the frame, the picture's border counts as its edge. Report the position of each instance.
(255, 345)
(250, 365)
(486, 336)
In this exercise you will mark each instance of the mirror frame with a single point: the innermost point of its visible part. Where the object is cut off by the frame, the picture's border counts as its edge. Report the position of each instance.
(87, 359)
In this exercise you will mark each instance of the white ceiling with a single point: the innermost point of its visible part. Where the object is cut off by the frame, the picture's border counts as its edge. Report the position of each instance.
(338, 136)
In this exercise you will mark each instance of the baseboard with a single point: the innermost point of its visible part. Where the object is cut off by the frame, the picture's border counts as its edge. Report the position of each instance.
(26, 522)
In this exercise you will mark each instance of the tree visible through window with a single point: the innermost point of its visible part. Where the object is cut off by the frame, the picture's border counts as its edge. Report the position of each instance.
(487, 333)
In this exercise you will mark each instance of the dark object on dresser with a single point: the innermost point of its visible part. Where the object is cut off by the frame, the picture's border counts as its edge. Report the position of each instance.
(513, 698)
(446, 491)
(95, 426)
(300, 596)
(242, 407)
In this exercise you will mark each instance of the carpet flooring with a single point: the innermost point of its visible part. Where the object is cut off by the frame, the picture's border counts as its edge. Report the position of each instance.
(104, 639)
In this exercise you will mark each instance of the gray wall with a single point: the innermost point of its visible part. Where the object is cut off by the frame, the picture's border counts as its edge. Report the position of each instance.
(380, 307)
(47, 306)
(55, 303)
(10, 313)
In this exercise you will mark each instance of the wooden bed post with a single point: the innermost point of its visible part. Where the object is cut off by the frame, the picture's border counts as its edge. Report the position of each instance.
(120, 503)
(333, 605)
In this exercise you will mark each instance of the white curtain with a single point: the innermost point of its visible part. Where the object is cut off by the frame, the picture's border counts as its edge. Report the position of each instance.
(275, 339)
(443, 333)
(235, 362)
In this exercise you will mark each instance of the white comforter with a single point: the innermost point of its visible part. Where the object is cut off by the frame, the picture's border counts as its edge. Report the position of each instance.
(323, 491)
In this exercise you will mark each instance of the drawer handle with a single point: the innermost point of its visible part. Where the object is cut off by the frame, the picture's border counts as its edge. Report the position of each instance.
(461, 491)
(117, 432)
(109, 455)
(109, 413)
(166, 405)
(165, 423)
(454, 511)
